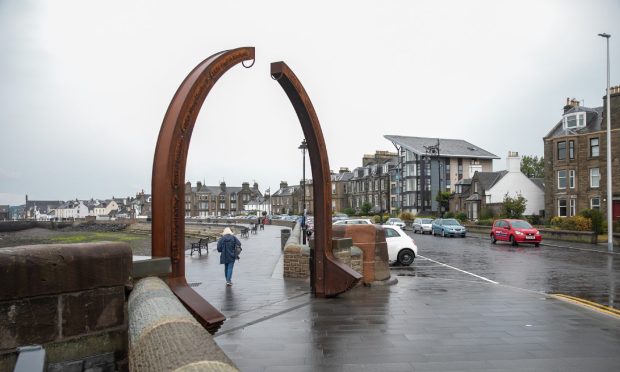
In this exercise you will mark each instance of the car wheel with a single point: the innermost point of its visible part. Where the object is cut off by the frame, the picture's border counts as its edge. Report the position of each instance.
(512, 240)
(406, 257)
(536, 244)
(493, 240)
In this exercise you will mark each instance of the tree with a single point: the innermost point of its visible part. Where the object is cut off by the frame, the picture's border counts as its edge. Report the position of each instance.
(514, 207)
(366, 207)
(533, 167)
(443, 198)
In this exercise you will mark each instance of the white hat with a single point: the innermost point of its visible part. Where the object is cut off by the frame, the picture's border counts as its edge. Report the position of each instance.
(227, 231)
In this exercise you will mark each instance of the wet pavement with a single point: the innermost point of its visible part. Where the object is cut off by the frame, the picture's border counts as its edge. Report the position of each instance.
(436, 318)
(579, 271)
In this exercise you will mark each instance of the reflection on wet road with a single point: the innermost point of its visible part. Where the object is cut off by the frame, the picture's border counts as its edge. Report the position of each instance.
(589, 275)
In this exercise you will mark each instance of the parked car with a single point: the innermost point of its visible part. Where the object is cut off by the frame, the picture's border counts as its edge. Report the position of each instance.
(422, 225)
(401, 248)
(515, 232)
(448, 227)
(359, 221)
(396, 222)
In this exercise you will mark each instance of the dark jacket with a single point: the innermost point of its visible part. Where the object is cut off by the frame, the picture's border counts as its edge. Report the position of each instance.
(226, 246)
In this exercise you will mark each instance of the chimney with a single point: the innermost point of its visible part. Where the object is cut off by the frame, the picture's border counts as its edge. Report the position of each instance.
(570, 103)
(223, 186)
(513, 162)
(283, 184)
(343, 170)
(614, 97)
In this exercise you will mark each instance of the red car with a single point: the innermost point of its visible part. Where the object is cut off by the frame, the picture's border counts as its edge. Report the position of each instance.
(515, 232)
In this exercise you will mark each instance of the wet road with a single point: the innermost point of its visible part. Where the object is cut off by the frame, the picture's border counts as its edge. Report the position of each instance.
(589, 275)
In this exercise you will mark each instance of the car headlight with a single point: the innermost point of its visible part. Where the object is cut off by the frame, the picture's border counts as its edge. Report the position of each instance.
(536, 232)
(518, 233)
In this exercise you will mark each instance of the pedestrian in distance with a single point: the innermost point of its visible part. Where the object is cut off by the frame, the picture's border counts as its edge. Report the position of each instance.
(227, 246)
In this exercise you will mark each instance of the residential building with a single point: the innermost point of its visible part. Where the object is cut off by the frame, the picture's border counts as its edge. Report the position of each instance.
(340, 191)
(371, 182)
(427, 166)
(222, 200)
(72, 209)
(486, 190)
(286, 199)
(576, 159)
(40, 209)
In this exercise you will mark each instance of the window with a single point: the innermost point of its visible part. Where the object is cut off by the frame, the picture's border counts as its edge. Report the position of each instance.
(595, 203)
(572, 207)
(594, 148)
(595, 177)
(571, 178)
(390, 233)
(575, 120)
(475, 187)
(561, 179)
(562, 207)
(561, 150)
(571, 149)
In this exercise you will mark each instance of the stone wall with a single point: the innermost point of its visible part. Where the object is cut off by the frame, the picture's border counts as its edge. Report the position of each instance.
(297, 256)
(164, 336)
(68, 298)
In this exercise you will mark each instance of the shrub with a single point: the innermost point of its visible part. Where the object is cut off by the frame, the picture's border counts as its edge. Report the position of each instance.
(534, 219)
(349, 211)
(487, 213)
(596, 217)
(448, 215)
(461, 216)
(485, 222)
(576, 223)
(556, 221)
(406, 216)
(513, 207)
(376, 219)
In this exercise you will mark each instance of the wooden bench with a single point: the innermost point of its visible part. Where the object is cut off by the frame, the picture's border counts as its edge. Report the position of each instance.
(197, 246)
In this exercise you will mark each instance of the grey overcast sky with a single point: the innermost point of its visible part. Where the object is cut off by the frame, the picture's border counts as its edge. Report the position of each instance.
(84, 85)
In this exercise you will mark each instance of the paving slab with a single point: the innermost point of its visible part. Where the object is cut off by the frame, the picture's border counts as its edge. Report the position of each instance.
(418, 324)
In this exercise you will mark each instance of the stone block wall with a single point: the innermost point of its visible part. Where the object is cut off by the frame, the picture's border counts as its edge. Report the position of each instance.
(297, 256)
(68, 298)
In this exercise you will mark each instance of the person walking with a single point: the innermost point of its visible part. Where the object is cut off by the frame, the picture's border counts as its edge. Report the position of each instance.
(227, 248)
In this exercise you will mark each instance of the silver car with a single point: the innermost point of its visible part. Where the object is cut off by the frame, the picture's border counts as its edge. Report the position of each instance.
(422, 225)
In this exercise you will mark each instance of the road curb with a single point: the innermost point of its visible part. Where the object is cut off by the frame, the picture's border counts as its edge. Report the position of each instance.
(587, 304)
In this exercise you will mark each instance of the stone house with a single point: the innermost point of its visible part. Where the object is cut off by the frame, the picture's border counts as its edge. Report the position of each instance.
(487, 190)
(576, 159)
(222, 200)
(40, 209)
(286, 200)
(72, 209)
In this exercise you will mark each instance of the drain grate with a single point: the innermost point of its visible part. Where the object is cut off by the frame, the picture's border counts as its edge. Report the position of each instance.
(194, 284)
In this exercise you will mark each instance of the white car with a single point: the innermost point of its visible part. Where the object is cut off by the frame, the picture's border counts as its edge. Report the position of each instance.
(422, 225)
(396, 222)
(401, 247)
(354, 222)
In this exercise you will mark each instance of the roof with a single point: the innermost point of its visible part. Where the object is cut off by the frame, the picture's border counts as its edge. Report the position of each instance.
(464, 181)
(540, 182)
(449, 148)
(488, 179)
(286, 191)
(594, 118)
(345, 176)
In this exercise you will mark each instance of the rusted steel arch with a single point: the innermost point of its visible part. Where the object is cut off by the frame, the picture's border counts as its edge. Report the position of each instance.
(329, 276)
(168, 182)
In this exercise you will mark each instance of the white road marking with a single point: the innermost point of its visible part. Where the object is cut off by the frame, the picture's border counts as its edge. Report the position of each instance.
(457, 269)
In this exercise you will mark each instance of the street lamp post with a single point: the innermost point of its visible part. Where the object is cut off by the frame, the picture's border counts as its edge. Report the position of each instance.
(610, 246)
(303, 147)
(432, 151)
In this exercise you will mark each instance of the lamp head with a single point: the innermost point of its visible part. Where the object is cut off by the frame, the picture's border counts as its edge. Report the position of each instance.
(605, 35)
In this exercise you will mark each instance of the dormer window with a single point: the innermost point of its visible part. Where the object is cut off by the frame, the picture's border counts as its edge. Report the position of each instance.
(575, 120)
